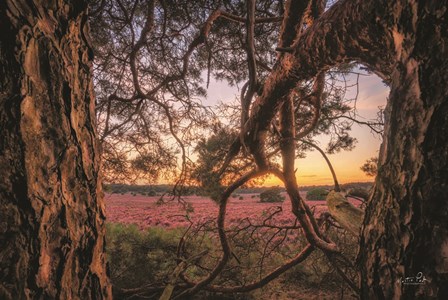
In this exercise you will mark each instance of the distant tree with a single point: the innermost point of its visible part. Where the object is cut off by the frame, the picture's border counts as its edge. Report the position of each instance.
(272, 195)
(151, 192)
(316, 194)
(211, 151)
(370, 167)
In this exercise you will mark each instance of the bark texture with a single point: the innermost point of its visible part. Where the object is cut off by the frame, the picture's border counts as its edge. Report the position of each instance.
(51, 210)
(348, 216)
(406, 224)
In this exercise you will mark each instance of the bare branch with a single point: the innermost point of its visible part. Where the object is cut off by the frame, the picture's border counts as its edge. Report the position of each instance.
(330, 166)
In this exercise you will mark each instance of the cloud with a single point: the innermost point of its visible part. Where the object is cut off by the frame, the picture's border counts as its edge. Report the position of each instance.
(372, 93)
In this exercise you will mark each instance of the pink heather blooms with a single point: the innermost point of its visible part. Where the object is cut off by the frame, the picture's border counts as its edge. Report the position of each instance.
(145, 212)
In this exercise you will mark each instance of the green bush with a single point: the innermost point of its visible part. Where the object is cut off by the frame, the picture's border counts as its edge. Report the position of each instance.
(152, 193)
(139, 257)
(317, 271)
(317, 194)
(272, 195)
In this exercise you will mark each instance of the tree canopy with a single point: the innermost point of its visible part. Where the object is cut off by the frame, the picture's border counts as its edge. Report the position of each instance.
(154, 61)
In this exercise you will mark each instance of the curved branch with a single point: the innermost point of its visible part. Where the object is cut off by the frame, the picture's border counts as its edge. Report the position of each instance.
(295, 14)
(251, 62)
(287, 146)
(316, 100)
(372, 125)
(304, 254)
(330, 166)
(254, 285)
(139, 44)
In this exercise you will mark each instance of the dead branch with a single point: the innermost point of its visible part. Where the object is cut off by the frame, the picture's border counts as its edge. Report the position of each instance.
(330, 166)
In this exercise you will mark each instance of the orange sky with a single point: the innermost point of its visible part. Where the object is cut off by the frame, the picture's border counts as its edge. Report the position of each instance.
(313, 169)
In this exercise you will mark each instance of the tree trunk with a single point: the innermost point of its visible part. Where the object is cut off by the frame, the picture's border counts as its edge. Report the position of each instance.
(51, 208)
(406, 225)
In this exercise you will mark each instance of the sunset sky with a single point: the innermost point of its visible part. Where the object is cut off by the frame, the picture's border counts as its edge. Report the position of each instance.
(313, 170)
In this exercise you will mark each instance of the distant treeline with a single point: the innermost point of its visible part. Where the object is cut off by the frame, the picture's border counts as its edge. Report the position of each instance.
(345, 186)
(159, 189)
(149, 190)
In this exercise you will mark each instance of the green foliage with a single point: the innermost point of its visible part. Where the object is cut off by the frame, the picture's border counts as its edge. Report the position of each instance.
(316, 194)
(272, 195)
(140, 257)
(317, 271)
(370, 167)
(211, 153)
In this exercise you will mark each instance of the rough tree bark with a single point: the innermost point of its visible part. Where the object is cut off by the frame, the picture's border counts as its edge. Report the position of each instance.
(51, 210)
(406, 224)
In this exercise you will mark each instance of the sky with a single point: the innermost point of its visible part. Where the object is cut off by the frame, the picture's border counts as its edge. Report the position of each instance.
(313, 169)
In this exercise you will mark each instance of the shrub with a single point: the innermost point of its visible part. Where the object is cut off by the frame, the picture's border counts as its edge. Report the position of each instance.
(241, 198)
(152, 193)
(316, 194)
(137, 257)
(272, 195)
(317, 271)
(147, 258)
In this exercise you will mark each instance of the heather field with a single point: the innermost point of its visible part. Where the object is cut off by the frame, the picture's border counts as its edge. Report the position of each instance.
(145, 211)
(258, 246)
